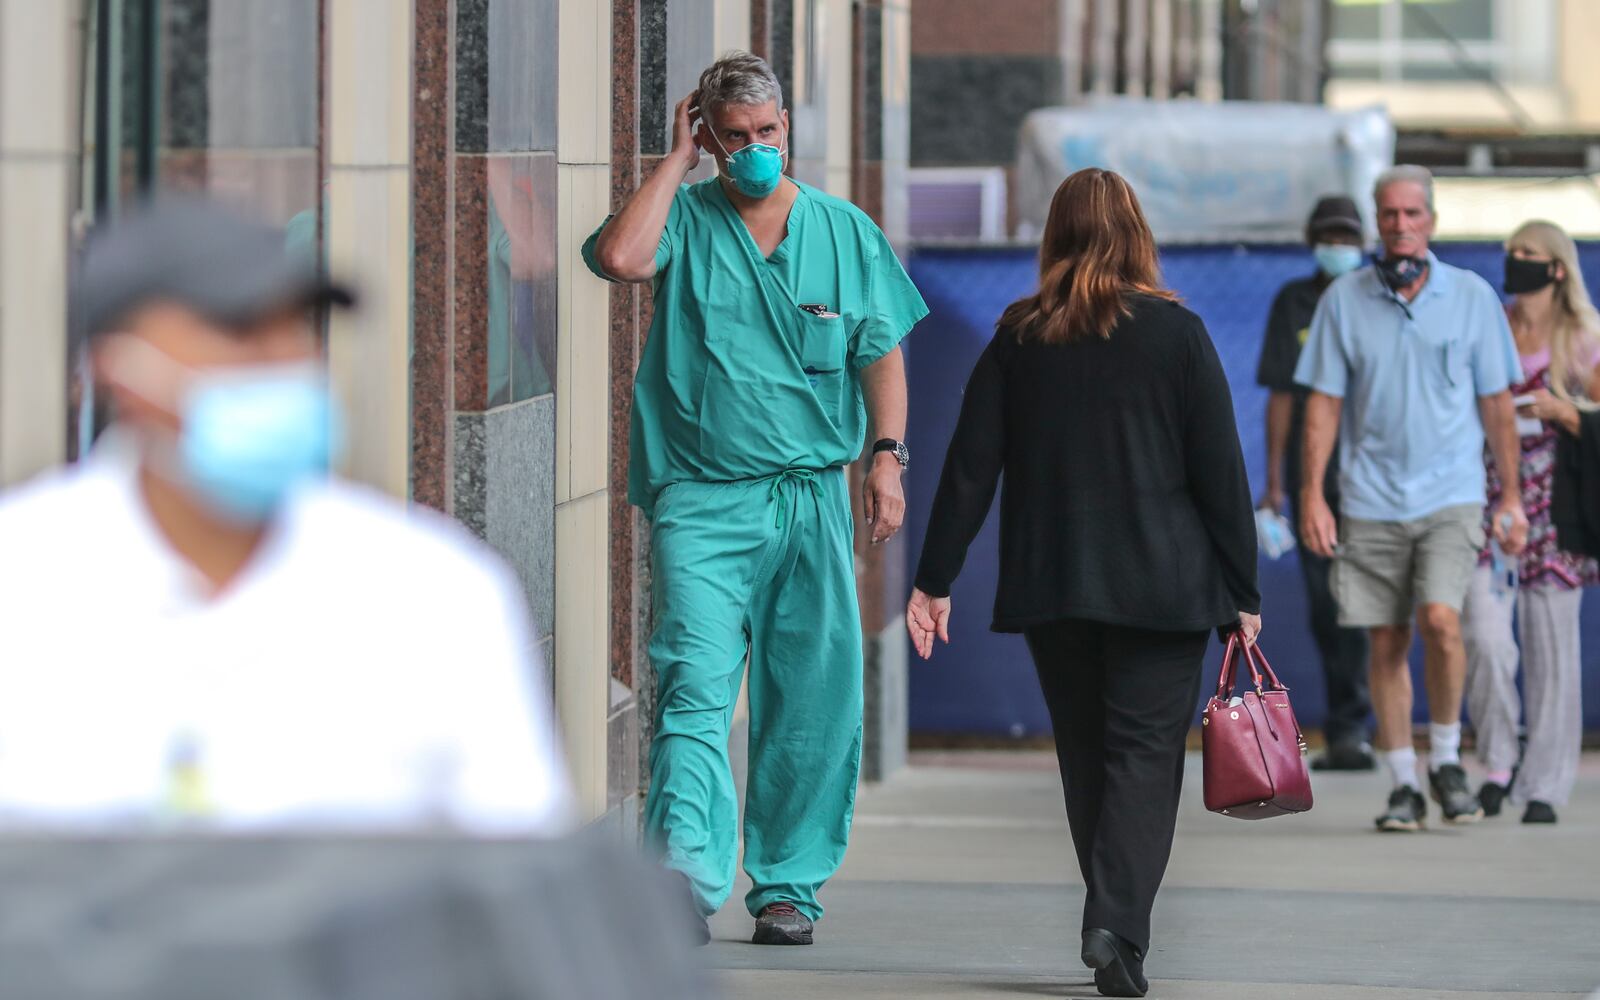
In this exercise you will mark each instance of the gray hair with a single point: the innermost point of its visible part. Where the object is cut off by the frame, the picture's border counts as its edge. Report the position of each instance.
(1408, 173)
(740, 79)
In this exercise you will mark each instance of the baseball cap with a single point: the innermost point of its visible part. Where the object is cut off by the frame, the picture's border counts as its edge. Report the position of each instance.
(1333, 213)
(194, 252)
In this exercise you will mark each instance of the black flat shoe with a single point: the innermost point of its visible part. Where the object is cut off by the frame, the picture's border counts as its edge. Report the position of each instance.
(1492, 796)
(1539, 812)
(1118, 966)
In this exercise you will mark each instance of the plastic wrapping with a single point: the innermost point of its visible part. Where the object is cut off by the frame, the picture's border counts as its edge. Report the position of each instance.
(1247, 171)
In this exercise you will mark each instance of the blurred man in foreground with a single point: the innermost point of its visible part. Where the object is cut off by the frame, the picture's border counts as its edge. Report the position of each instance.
(1335, 235)
(197, 627)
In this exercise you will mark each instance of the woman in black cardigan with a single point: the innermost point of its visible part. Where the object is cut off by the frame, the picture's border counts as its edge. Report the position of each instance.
(1126, 535)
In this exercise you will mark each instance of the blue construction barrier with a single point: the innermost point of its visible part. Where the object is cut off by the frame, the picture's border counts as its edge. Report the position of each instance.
(983, 683)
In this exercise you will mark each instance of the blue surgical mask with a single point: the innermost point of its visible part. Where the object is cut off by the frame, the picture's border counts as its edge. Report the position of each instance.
(250, 435)
(249, 438)
(755, 169)
(1336, 259)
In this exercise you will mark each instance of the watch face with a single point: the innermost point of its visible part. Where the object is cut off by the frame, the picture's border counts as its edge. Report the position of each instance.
(902, 454)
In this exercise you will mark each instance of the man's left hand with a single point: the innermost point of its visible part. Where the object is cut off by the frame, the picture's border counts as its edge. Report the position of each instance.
(882, 498)
(1510, 527)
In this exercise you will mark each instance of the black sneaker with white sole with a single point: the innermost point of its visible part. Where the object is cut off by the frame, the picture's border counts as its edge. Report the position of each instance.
(1407, 812)
(1454, 795)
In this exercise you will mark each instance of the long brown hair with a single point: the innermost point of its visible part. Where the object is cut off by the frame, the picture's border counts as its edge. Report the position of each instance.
(1096, 252)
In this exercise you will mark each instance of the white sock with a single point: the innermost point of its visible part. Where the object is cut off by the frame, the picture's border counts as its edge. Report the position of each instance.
(1402, 766)
(1445, 740)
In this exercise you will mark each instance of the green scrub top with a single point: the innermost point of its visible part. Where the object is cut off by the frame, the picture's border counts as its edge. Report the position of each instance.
(737, 381)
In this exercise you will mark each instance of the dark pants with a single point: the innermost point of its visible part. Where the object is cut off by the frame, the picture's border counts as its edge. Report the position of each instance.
(1121, 701)
(1343, 652)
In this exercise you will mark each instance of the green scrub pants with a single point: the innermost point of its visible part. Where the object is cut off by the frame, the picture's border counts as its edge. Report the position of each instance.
(762, 568)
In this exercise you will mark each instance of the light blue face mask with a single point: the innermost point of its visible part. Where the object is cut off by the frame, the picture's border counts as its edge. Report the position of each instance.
(250, 438)
(1336, 259)
(755, 169)
(250, 435)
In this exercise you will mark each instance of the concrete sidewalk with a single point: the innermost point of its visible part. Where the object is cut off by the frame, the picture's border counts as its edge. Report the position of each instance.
(961, 882)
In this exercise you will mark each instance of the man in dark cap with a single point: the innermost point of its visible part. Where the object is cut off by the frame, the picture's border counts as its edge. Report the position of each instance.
(1334, 234)
(203, 628)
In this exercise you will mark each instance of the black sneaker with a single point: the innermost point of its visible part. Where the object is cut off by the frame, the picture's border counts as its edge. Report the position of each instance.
(1456, 801)
(1345, 757)
(1539, 812)
(1492, 796)
(1118, 966)
(781, 923)
(1407, 811)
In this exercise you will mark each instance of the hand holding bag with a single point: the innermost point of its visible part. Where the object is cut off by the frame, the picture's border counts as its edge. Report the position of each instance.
(1254, 754)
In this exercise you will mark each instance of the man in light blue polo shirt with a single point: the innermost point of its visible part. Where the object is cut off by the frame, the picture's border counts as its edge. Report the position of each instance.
(1409, 363)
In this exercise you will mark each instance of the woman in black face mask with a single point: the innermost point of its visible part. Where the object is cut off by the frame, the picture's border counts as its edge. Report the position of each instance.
(1558, 337)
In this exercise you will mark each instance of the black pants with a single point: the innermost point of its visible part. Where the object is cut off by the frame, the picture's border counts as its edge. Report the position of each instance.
(1343, 652)
(1121, 701)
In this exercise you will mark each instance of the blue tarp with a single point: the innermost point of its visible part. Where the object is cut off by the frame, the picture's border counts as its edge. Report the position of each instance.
(983, 683)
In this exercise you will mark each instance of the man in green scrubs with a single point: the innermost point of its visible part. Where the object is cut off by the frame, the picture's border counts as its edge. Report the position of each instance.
(774, 350)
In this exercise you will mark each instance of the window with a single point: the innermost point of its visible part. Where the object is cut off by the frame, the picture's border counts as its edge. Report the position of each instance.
(1507, 41)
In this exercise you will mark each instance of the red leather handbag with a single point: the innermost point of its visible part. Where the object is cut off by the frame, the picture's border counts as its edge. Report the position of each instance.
(1254, 754)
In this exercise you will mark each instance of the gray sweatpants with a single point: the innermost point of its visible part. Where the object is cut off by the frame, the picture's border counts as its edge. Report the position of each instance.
(1547, 621)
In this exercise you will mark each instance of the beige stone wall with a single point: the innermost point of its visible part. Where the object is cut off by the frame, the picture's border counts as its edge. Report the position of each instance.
(37, 167)
(369, 234)
(583, 386)
(1580, 69)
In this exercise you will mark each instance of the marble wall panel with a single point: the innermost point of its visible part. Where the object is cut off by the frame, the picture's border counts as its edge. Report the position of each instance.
(431, 362)
(655, 125)
(261, 82)
(469, 281)
(622, 742)
(520, 276)
(624, 342)
(471, 485)
(691, 47)
(506, 75)
(519, 497)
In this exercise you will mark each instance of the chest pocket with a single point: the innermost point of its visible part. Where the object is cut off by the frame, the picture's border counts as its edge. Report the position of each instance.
(822, 356)
(821, 344)
(1452, 360)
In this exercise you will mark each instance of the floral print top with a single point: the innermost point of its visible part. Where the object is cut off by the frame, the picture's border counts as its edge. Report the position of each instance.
(1542, 562)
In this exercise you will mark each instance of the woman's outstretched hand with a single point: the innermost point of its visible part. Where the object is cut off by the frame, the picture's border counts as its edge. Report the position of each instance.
(926, 617)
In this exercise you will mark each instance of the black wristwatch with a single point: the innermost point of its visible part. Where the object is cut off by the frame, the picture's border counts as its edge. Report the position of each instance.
(902, 454)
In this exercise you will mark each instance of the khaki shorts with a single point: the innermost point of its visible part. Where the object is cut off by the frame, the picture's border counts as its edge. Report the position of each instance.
(1384, 569)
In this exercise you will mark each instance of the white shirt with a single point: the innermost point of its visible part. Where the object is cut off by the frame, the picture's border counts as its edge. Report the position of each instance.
(372, 669)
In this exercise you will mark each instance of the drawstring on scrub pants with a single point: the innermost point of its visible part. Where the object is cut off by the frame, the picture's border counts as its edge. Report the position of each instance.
(775, 491)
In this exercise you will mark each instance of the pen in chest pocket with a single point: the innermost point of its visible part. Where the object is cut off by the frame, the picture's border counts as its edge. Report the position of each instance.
(819, 310)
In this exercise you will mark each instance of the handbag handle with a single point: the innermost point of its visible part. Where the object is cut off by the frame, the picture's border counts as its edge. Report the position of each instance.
(1253, 651)
(1254, 659)
(1230, 665)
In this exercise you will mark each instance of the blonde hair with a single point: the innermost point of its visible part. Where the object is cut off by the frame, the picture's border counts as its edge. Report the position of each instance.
(1576, 333)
